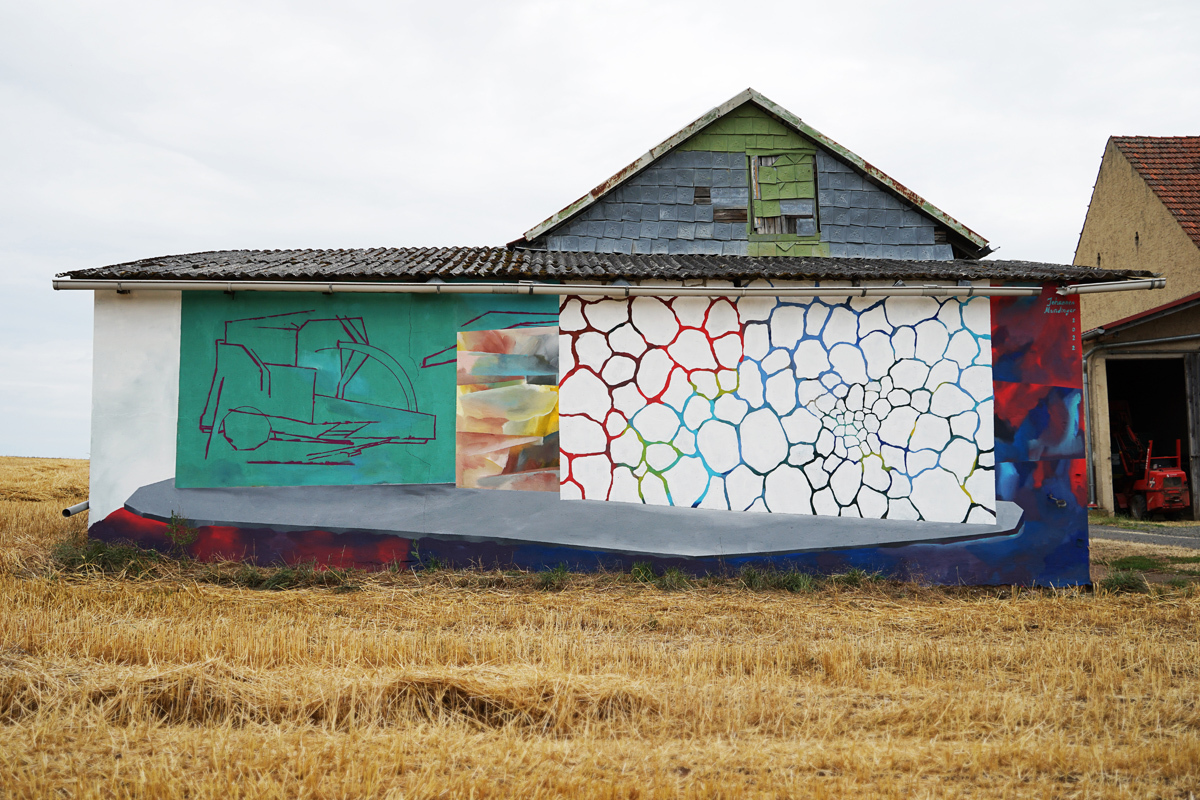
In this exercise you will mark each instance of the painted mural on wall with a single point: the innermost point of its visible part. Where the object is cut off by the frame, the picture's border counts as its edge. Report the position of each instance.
(507, 422)
(287, 389)
(1040, 447)
(1039, 442)
(877, 408)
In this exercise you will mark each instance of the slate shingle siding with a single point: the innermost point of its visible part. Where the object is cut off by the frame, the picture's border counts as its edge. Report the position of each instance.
(655, 212)
(860, 220)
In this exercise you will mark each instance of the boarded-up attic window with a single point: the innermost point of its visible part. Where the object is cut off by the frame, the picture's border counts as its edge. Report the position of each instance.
(784, 192)
(787, 224)
(769, 225)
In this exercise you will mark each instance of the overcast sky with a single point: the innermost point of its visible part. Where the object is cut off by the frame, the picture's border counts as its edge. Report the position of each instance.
(137, 129)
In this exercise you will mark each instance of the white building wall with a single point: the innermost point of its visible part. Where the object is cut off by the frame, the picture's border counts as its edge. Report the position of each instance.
(135, 394)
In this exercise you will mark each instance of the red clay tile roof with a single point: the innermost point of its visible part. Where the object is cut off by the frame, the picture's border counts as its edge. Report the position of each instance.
(1170, 165)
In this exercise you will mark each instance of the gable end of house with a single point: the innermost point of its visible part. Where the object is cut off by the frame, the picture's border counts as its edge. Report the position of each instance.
(751, 179)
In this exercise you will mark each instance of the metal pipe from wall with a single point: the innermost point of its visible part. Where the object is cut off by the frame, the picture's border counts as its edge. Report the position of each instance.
(1087, 398)
(531, 288)
(78, 508)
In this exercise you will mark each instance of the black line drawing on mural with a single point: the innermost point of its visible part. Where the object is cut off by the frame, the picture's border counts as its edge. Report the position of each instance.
(298, 389)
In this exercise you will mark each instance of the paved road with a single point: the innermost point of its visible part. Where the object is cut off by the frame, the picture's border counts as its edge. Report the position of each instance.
(1179, 537)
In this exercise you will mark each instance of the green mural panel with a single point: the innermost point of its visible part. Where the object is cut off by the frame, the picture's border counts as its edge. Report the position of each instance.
(306, 389)
(747, 128)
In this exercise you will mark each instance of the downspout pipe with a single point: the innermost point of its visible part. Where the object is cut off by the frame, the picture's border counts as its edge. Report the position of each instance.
(1087, 397)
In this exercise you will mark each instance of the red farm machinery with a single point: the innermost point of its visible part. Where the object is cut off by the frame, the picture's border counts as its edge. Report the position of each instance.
(1151, 483)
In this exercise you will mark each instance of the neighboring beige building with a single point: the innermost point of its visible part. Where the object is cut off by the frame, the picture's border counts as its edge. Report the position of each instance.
(1142, 349)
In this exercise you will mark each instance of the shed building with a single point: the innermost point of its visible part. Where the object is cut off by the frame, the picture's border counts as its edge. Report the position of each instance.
(1142, 350)
(749, 346)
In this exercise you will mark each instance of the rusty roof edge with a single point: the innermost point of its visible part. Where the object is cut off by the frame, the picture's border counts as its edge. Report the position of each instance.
(879, 175)
(627, 172)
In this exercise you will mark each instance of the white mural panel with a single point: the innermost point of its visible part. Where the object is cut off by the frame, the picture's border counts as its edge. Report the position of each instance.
(135, 394)
(869, 407)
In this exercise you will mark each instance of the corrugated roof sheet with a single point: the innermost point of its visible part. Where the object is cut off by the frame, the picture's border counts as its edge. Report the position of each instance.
(1170, 165)
(416, 263)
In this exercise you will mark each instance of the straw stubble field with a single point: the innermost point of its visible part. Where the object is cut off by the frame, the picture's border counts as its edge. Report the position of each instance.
(182, 683)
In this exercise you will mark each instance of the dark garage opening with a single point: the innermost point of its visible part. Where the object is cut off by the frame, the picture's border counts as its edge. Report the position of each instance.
(1150, 395)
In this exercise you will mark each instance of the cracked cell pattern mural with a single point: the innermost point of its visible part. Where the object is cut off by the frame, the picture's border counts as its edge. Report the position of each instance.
(869, 407)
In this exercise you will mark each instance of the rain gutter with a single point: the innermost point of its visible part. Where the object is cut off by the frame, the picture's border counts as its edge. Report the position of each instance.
(1114, 286)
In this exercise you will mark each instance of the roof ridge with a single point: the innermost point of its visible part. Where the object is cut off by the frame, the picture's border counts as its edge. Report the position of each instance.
(1139, 136)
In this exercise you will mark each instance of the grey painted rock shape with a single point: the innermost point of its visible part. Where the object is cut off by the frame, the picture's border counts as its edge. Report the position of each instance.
(477, 515)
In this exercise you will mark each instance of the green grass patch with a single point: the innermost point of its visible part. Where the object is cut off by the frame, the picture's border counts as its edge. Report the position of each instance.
(1154, 564)
(642, 572)
(674, 579)
(91, 557)
(180, 534)
(1136, 564)
(1130, 524)
(855, 578)
(552, 580)
(1126, 582)
(760, 580)
(291, 576)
